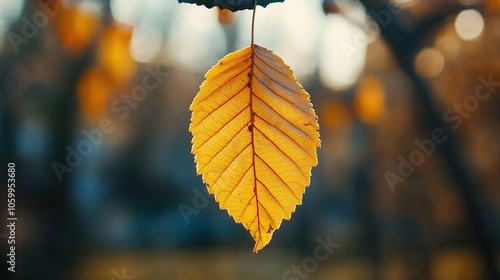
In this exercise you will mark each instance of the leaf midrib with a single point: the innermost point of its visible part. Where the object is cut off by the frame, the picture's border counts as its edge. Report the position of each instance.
(252, 122)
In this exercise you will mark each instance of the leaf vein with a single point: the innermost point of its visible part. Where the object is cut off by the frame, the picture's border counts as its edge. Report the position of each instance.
(245, 209)
(281, 96)
(219, 87)
(224, 125)
(277, 175)
(227, 167)
(225, 145)
(287, 120)
(279, 149)
(274, 197)
(239, 181)
(221, 105)
(288, 136)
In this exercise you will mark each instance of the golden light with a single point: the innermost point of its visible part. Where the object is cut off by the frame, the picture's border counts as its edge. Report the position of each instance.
(93, 90)
(114, 54)
(335, 114)
(429, 63)
(369, 102)
(463, 263)
(75, 28)
(493, 6)
(448, 43)
(469, 24)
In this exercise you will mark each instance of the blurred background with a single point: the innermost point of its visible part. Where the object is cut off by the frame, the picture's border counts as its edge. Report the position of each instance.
(94, 98)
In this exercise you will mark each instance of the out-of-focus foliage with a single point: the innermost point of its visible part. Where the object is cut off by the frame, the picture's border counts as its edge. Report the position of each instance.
(114, 54)
(94, 90)
(76, 28)
(369, 102)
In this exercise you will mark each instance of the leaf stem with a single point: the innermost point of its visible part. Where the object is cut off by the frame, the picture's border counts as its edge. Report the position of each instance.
(253, 21)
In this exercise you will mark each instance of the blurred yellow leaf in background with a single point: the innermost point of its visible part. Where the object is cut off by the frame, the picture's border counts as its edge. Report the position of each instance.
(226, 17)
(114, 54)
(76, 28)
(93, 92)
(369, 102)
(335, 114)
(255, 136)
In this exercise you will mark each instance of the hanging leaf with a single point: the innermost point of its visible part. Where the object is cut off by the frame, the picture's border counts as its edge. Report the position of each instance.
(233, 5)
(255, 136)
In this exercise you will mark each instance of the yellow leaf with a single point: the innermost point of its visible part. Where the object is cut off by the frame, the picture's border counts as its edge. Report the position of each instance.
(255, 136)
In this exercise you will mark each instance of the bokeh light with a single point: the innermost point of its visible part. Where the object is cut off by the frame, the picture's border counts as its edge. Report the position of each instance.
(429, 63)
(114, 54)
(342, 53)
(469, 24)
(93, 91)
(369, 102)
(127, 11)
(9, 11)
(77, 27)
(293, 31)
(448, 42)
(146, 43)
(197, 40)
(334, 114)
